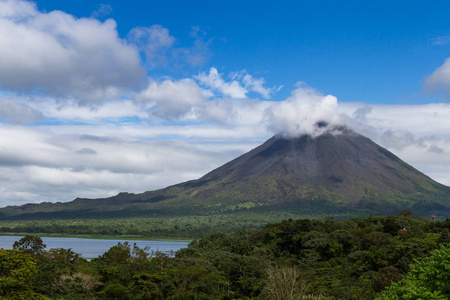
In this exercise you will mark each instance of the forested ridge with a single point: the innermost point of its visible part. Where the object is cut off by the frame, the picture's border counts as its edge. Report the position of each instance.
(384, 257)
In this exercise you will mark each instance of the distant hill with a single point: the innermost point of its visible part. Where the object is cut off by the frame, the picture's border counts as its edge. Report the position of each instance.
(339, 173)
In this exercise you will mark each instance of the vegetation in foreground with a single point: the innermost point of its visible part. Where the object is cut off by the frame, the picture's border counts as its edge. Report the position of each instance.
(365, 258)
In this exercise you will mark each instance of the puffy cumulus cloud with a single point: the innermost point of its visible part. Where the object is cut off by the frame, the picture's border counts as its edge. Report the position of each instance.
(13, 9)
(181, 100)
(439, 80)
(305, 112)
(214, 81)
(19, 113)
(171, 100)
(59, 54)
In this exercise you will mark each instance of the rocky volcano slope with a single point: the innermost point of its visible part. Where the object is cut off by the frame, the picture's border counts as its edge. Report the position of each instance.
(338, 173)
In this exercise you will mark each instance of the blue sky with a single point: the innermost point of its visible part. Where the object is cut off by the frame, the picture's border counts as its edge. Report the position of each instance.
(377, 52)
(100, 97)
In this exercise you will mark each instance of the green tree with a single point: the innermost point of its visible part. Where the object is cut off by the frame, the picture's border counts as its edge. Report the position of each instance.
(444, 238)
(31, 244)
(16, 270)
(52, 266)
(427, 279)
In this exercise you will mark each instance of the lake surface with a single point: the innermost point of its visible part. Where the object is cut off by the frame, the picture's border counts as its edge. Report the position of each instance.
(91, 248)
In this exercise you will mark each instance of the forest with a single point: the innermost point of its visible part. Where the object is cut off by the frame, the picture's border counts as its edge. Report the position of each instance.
(375, 257)
(180, 227)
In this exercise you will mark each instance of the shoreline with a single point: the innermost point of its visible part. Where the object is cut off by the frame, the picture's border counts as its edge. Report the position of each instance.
(99, 237)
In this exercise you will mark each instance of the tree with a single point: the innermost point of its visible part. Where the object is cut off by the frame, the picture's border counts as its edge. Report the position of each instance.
(16, 270)
(283, 283)
(286, 283)
(428, 279)
(31, 244)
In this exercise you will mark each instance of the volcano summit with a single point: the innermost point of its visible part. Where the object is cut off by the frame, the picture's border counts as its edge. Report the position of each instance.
(338, 173)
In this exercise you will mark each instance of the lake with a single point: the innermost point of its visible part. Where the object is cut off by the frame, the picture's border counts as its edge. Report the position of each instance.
(91, 248)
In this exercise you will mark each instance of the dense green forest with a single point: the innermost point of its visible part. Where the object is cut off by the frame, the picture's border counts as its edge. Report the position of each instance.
(181, 227)
(361, 258)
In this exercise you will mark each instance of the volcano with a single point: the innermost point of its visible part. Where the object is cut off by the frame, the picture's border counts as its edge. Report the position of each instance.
(337, 173)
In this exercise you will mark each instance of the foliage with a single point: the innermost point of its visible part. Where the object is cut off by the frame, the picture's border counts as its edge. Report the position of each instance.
(360, 258)
(30, 244)
(185, 227)
(427, 279)
(16, 270)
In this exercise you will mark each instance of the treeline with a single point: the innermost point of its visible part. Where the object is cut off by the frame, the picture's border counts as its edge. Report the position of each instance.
(184, 227)
(389, 257)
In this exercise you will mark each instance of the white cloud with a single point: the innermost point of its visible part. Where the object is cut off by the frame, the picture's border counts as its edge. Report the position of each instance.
(254, 84)
(181, 100)
(418, 134)
(59, 54)
(397, 140)
(302, 113)
(154, 41)
(61, 163)
(161, 52)
(16, 10)
(439, 80)
(436, 149)
(171, 100)
(19, 113)
(233, 112)
(215, 81)
(72, 111)
(102, 10)
(239, 87)
(257, 85)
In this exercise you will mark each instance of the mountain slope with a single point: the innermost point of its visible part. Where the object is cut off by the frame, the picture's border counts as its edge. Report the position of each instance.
(337, 173)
